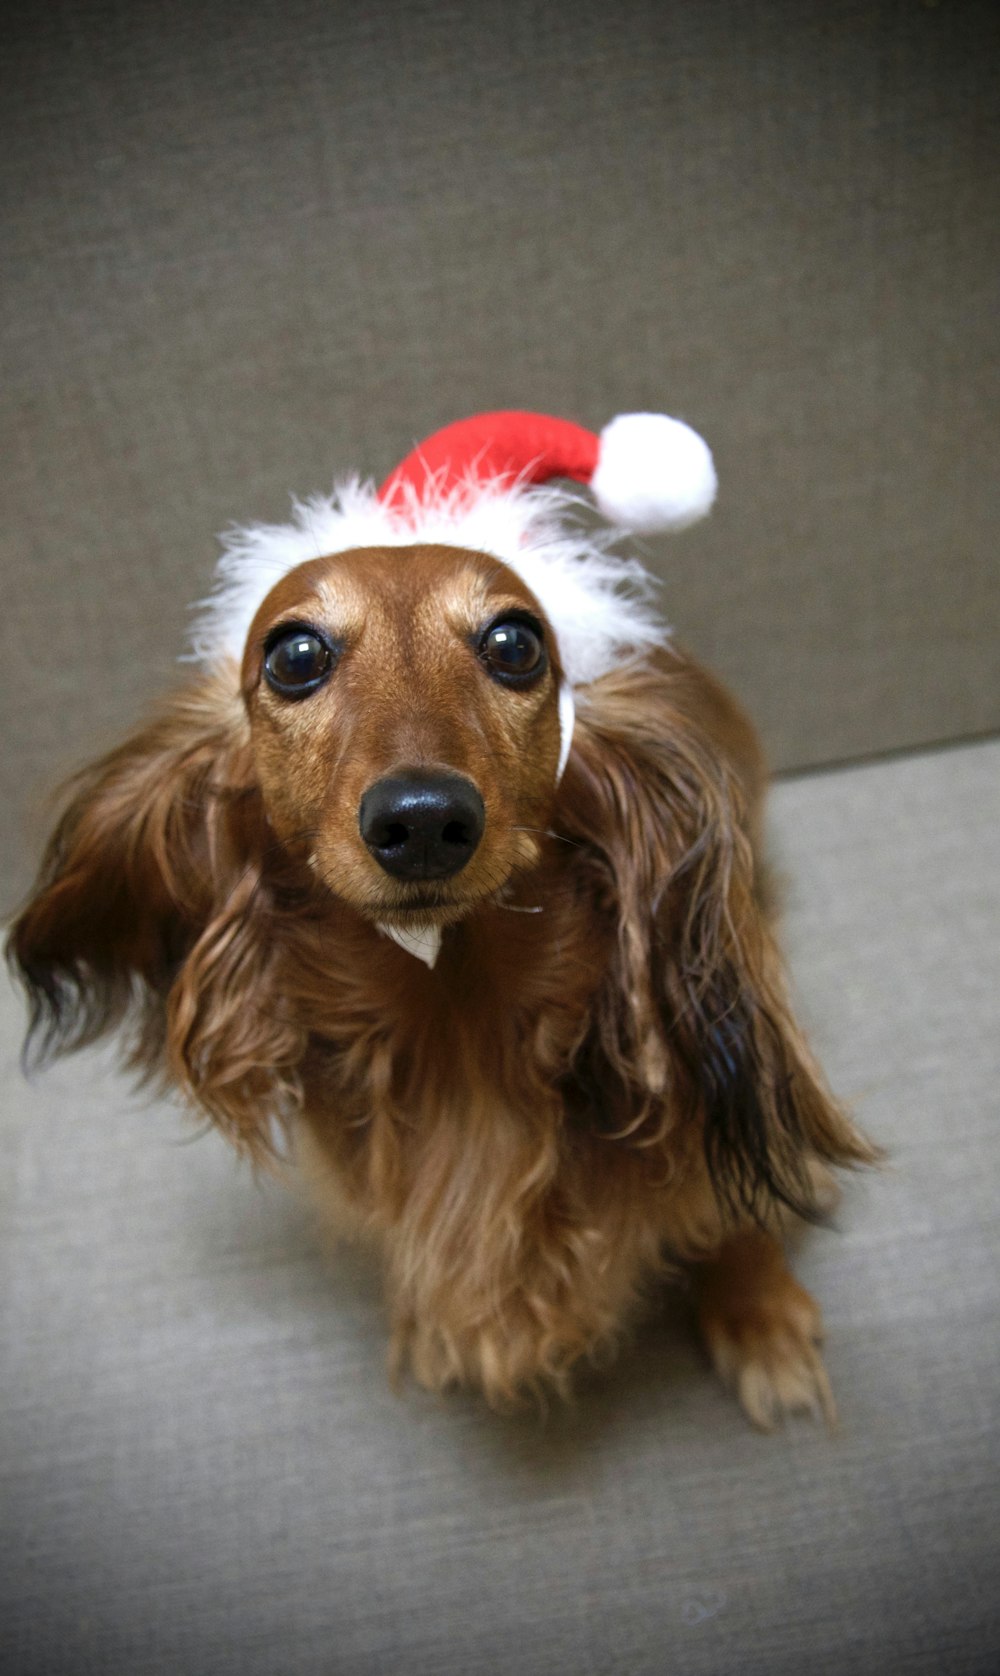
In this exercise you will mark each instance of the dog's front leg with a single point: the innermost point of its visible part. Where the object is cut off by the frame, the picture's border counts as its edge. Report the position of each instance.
(516, 1329)
(763, 1330)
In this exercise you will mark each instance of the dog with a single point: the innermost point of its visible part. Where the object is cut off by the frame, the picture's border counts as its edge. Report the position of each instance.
(490, 941)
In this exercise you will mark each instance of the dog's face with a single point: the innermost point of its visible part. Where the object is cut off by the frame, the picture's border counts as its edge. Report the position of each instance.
(403, 707)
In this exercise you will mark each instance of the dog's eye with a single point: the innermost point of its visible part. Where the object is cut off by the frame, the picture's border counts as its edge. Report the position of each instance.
(513, 650)
(297, 660)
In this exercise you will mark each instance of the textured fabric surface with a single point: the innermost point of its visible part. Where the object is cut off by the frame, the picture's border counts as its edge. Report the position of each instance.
(202, 1468)
(247, 246)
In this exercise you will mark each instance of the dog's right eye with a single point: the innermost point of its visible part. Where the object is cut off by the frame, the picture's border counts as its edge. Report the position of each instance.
(297, 660)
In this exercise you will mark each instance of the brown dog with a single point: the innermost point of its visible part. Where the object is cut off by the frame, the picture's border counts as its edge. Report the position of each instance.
(596, 1076)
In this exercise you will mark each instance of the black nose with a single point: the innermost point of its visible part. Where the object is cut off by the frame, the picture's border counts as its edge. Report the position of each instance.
(420, 824)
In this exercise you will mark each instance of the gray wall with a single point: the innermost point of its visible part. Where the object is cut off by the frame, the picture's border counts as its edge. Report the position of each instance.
(248, 246)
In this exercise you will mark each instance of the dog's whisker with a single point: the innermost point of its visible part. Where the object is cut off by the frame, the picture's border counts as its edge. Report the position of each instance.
(547, 832)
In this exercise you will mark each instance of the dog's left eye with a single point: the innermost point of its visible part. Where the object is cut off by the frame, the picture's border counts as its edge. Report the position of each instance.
(513, 650)
(297, 660)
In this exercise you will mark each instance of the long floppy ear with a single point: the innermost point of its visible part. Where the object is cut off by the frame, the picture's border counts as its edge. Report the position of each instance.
(692, 1022)
(150, 913)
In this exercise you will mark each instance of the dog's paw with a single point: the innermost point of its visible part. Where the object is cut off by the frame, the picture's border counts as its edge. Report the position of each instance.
(766, 1349)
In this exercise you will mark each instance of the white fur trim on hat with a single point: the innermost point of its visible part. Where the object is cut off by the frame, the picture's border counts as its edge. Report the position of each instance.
(599, 603)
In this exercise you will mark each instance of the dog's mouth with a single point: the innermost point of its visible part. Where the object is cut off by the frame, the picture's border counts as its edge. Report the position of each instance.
(418, 908)
(429, 912)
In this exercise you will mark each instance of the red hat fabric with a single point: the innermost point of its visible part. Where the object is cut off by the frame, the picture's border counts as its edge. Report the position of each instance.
(500, 447)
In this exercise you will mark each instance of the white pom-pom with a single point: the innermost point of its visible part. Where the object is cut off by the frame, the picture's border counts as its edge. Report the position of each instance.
(653, 473)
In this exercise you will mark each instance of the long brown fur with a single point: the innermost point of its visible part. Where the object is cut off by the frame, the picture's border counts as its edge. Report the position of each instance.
(601, 1074)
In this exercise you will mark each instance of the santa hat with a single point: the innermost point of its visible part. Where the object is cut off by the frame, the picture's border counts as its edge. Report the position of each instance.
(486, 483)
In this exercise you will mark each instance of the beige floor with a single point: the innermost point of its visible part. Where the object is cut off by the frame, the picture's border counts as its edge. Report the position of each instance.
(202, 1469)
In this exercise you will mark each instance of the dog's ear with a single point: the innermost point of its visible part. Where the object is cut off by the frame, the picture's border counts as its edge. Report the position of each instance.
(150, 914)
(692, 1023)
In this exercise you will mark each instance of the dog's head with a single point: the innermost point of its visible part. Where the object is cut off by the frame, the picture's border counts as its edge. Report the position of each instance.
(404, 722)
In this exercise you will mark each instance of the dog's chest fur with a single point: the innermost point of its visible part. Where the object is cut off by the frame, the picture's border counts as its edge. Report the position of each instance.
(472, 1057)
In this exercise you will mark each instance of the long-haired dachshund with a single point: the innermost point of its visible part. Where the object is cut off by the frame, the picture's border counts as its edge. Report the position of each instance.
(507, 977)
